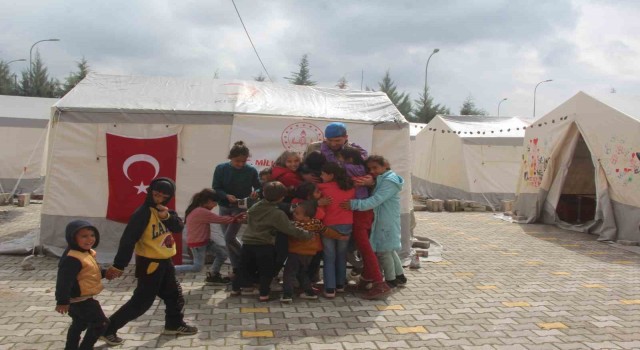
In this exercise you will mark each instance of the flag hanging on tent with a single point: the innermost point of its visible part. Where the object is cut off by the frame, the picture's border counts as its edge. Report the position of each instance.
(131, 165)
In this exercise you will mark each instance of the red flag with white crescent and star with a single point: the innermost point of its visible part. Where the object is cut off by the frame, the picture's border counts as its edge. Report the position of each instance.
(131, 164)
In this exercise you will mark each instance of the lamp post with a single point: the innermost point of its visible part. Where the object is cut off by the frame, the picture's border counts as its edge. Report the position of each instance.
(499, 103)
(31, 49)
(18, 60)
(426, 69)
(534, 95)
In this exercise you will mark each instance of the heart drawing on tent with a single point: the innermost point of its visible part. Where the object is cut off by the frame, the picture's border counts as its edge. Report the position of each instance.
(535, 141)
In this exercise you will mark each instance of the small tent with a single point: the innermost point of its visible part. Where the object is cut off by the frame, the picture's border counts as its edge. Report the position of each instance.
(581, 170)
(207, 116)
(23, 129)
(468, 157)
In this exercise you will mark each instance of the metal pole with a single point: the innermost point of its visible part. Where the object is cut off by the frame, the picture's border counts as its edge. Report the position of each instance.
(361, 79)
(426, 69)
(31, 49)
(534, 95)
(18, 60)
(499, 103)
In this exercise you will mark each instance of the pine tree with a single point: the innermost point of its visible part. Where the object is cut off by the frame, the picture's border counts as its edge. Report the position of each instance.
(74, 78)
(425, 110)
(401, 100)
(342, 83)
(6, 82)
(302, 77)
(260, 77)
(37, 82)
(469, 108)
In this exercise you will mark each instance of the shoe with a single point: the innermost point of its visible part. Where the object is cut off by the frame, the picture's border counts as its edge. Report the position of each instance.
(364, 285)
(402, 280)
(339, 288)
(183, 329)
(309, 295)
(263, 298)
(286, 298)
(393, 283)
(111, 339)
(330, 293)
(217, 279)
(379, 290)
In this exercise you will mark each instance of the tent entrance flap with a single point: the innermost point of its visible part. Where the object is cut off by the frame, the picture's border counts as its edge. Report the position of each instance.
(577, 203)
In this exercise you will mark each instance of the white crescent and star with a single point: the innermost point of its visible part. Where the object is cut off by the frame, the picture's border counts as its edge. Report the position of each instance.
(142, 188)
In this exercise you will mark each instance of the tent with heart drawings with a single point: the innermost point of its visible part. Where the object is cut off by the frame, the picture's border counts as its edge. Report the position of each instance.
(112, 134)
(580, 168)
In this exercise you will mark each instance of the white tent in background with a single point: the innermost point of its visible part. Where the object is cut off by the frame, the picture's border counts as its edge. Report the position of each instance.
(208, 115)
(468, 157)
(414, 129)
(581, 169)
(23, 128)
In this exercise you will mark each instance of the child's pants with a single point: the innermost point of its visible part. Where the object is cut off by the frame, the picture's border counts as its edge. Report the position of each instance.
(230, 235)
(391, 265)
(297, 267)
(362, 221)
(335, 258)
(155, 278)
(255, 258)
(199, 256)
(87, 315)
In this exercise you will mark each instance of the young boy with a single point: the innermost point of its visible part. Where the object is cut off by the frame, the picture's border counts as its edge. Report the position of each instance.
(265, 175)
(264, 219)
(149, 234)
(78, 281)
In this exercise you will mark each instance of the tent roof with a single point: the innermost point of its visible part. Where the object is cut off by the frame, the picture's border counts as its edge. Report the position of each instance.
(26, 107)
(415, 128)
(481, 126)
(106, 93)
(627, 104)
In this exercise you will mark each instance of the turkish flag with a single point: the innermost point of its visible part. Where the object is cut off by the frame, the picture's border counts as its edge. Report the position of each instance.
(132, 163)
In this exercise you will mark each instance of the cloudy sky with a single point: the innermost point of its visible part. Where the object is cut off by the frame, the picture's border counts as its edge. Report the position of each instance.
(490, 49)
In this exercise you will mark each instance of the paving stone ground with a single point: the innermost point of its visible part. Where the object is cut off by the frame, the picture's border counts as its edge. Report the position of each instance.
(500, 286)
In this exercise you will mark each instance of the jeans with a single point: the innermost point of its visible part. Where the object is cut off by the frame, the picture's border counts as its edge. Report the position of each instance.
(199, 254)
(230, 235)
(391, 264)
(335, 258)
(85, 315)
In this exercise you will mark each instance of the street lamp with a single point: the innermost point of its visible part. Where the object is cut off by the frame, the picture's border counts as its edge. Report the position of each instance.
(534, 95)
(18, 60)
(31, 49)
(499, 103)
(426, 69)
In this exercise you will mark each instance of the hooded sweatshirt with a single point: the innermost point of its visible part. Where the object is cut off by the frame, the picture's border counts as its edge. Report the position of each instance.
(264, 219)
(79, 275)
(147, 234)
(385, 202)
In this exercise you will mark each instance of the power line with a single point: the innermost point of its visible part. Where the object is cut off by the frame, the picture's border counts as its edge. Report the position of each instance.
(251, 41)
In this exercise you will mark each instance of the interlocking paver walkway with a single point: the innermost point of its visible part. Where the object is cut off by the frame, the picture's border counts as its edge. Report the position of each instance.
(500, 286)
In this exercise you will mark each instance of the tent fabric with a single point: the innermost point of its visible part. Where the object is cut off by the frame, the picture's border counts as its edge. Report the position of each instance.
(23, 124)
(77, 183)
(555, 148)
(468, 157)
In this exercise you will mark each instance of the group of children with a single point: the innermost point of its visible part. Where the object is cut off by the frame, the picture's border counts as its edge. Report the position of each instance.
(300, 213)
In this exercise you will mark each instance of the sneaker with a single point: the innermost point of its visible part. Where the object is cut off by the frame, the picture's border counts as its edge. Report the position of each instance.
(339, 288)
(378, 291)
(330, 293)
(183, 329)
(217, 279)
(111, 339)
(309, 295)
(263, 298)
(286, 298)
(393, 283)
(364, 285)
(402, 280)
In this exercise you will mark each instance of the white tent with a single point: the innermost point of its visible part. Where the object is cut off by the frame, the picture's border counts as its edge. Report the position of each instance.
(208, 115)
(414, 129)
(23, 128)
(581, 169)
(468, 157)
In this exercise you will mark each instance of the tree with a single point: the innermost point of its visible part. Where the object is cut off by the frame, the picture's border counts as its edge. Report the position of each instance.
(74, 78)
(342, 83)
(425, 110)
(6, 81)
(37, 82)
(469, 108)
(302, 77)
(401, 100)
(260, 77)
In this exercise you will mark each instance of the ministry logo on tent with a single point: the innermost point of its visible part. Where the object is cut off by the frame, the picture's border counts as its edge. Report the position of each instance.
(296, 137)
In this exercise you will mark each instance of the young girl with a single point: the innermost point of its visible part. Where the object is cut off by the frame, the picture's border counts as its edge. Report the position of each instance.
(339, 187)
(198, 216)
(234, 180)
(285, 170)
(385, 233)
(362, 220)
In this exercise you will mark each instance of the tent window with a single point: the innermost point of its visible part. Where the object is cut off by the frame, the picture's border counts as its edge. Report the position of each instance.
(577, 202)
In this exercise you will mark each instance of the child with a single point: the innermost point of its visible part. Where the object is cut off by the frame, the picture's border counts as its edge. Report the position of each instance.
(78, 281)
(385, 233)
(339, 187)
(285, 170)
(149, 234)
(264, 219)
(198, 216)
(308, 191)
(234, 180)
(312, 166)
(362, 221)
(301, 253)
(265, 175)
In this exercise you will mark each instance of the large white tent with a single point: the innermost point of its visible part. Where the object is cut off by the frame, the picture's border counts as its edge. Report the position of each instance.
(208, 115)
(468, 157)
(581, 169)
(23, 128)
